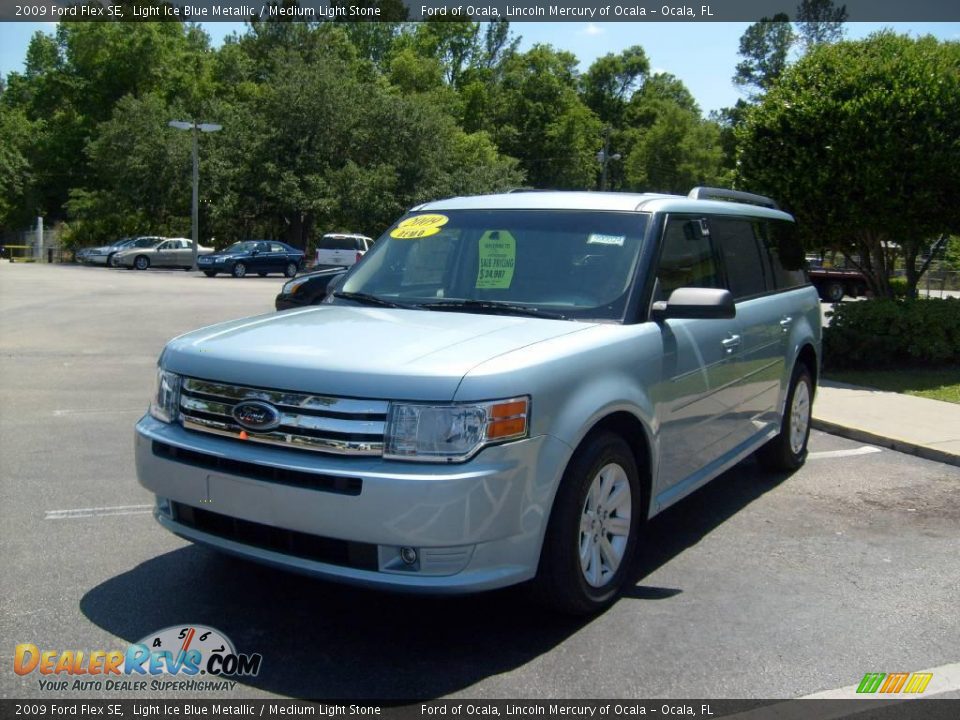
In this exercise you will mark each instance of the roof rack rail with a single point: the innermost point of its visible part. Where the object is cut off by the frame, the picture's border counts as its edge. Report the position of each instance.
(712, 193)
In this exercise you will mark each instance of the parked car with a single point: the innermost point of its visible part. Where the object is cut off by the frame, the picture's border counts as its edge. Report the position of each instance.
(159, 252)
(307, 289)
(260, 256)
(504, 390)
(833, 283)
(99, 255)
(343, 249)
(105, 254)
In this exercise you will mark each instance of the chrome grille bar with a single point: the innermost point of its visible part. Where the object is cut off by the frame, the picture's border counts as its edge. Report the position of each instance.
(338, 426)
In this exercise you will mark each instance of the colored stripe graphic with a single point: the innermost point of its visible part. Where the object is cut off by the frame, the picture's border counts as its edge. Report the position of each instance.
(871, 682)
(918, 682)
(894, 682)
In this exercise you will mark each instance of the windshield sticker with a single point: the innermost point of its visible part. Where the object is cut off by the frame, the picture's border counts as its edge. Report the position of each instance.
(419, 226)
(498, 256)
(598, 239)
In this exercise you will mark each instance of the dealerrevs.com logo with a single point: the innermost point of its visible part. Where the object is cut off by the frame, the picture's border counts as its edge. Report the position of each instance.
(171, 659)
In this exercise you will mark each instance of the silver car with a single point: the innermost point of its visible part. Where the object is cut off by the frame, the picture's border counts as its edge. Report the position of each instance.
(162, 252)
(528, 378)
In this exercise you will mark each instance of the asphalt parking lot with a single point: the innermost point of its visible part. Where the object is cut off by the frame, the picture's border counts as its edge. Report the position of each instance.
(754, 587)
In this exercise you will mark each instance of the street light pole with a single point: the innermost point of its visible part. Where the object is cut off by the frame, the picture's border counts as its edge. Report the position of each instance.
(195, 209)
(604, 157)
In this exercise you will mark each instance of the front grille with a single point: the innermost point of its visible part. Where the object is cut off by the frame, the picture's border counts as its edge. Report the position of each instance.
(338, 426)
(362, 556)
(255, 471)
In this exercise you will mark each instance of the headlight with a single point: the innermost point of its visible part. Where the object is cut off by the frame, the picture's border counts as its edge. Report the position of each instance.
(292, 286)
(452, 433)
(165, 404)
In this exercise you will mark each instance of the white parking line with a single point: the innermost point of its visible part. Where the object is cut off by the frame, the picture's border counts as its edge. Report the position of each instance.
(97, 512)
(65, 412)
(865, 450)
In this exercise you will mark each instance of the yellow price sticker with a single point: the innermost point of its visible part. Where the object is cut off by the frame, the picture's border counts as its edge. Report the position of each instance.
(419, 226)
(498, 258)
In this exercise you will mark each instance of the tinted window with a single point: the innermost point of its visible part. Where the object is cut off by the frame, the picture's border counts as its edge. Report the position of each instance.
(333, 243)
(746, 274)
(783, 247)
(686, 258)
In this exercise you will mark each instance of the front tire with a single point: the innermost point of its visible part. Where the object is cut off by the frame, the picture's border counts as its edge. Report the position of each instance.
(591, 539)
(142, 262)
(239, 270)
(788, 450)
(111, 262)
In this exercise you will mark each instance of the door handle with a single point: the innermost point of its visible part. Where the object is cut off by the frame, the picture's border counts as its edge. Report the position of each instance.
(731, 343)
(785, 323)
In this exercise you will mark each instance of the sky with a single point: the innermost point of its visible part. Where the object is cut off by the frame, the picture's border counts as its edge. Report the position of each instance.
(702, 54)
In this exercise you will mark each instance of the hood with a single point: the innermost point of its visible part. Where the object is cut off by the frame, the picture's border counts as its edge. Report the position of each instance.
(356, 352)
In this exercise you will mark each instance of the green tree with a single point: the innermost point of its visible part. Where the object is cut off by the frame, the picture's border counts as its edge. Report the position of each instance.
(535, 114)
(819, 22)
(764, 47)
(677, 152)
(611, 81)
(15, 173)
(859, 141)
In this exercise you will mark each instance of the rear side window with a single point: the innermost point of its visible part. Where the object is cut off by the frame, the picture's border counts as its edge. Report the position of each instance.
(743, 258)
(277, 248)
(779, 238)
(686, 258)
(334, 243)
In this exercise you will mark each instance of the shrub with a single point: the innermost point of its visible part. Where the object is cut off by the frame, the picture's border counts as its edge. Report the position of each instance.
(885, 333)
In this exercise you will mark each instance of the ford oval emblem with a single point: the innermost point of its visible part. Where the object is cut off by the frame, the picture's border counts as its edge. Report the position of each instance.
(256, 415)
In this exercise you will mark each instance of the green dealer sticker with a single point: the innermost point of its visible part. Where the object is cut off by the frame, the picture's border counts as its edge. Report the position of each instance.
(498, 256)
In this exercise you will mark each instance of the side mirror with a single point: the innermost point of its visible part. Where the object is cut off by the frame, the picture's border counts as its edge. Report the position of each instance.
(695, 303)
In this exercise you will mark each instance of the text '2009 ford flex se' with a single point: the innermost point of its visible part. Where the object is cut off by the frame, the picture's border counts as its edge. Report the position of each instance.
(503, 390)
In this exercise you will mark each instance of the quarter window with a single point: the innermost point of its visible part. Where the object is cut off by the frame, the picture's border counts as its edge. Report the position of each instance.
(779, 237)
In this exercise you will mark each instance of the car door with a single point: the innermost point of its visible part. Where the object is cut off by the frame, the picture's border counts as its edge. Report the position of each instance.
(165, 254)
(700, 363)
(761, 359)
(184, 253)
(280, 255)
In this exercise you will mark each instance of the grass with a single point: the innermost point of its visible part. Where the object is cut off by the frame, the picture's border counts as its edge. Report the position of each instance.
(938, 384)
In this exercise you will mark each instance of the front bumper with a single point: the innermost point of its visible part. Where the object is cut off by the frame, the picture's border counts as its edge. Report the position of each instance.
(475, 526)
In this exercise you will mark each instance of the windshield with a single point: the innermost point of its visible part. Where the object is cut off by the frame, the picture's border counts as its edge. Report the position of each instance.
(570, 264)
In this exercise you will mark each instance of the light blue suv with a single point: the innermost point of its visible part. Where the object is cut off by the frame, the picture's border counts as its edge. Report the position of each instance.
(503, 390)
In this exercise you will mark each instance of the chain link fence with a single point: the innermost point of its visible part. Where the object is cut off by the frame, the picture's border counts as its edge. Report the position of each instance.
(24, 246)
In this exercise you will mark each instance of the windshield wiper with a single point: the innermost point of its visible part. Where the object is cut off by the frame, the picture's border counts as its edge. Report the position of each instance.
(491, 306)
(368, 299)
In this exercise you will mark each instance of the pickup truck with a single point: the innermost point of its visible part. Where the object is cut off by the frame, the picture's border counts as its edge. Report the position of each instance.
(834, 283)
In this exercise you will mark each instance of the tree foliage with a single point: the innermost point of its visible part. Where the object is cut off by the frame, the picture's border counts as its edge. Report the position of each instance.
(326, 125)
(859, 141)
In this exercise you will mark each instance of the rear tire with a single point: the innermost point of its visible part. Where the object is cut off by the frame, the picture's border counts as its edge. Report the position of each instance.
(788, 450)
(290, 270)
(591, 539)
(833, 292)
(239, 270)
(209, 273)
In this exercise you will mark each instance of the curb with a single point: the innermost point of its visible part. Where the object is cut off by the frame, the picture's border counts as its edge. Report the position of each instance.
(852, 433)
